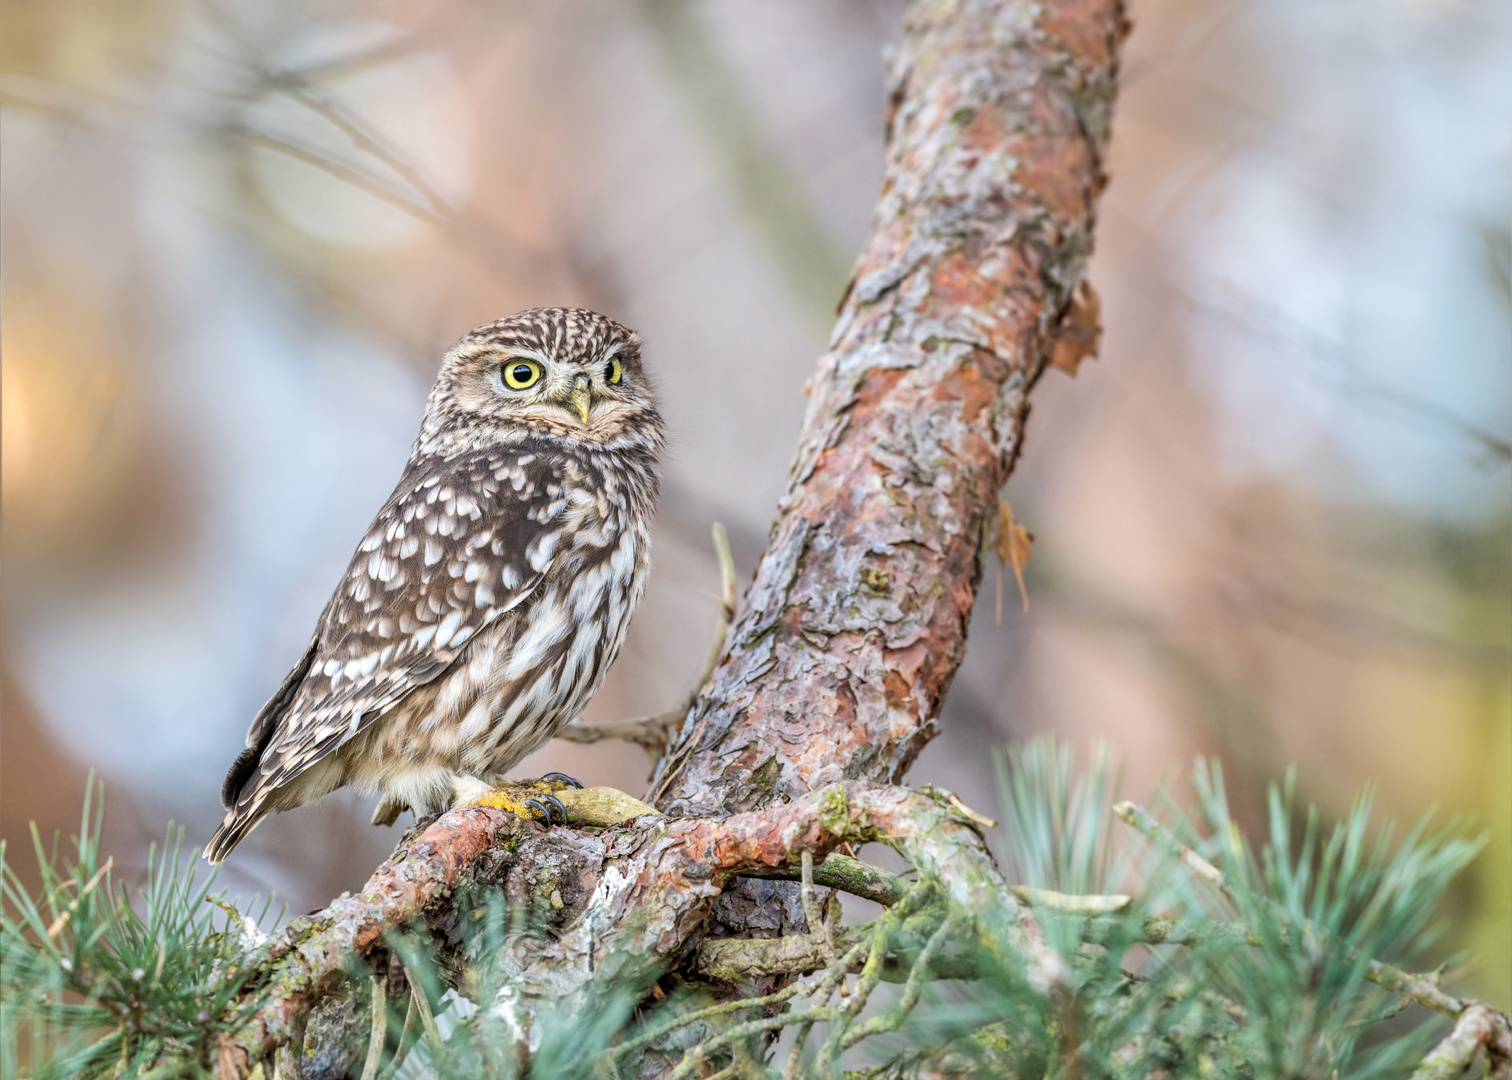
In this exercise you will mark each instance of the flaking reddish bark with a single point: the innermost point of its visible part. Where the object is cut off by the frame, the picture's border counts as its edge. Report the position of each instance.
(309, 959)
(856, 621)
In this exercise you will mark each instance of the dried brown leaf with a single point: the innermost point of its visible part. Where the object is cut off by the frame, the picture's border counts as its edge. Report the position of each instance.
(1013, 546)
(1080, 330)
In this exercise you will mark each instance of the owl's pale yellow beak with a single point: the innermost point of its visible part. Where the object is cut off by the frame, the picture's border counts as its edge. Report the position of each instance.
(582, 399)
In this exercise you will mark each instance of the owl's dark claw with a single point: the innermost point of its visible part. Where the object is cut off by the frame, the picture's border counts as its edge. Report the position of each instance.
(550, 808)
(564, 778)
(545, 811)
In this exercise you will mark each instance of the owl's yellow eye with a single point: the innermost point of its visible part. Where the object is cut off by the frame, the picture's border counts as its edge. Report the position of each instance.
(613, 372)
(521, 374)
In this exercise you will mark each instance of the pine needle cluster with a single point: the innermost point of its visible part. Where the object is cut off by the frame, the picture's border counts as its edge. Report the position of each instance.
(95, 982)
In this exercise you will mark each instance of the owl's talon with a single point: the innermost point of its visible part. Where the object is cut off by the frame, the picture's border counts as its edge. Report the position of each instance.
(545, 811)
(556, 804)
(564, 778)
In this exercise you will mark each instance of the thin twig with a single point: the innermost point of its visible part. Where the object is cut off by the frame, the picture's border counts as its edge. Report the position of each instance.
(894, 1017)
(711, 661)
(741, 1031)
(795, 1057)
(847, 874)
(817, 927)
(652, 733)
(866, 982)
(405, 1042)
(378, 1030)
(798, 988)
(427, 1019)
(1071, 904)
(369, 141)
(821, 992)
(1479, 1028)
(1143, 821)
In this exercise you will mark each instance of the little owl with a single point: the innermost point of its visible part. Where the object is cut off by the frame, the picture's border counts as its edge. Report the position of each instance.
(491, 592)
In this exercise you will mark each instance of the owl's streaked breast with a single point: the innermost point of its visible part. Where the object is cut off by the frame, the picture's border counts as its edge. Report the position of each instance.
(534, 670)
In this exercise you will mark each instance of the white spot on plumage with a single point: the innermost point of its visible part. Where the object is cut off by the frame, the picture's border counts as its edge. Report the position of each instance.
(447, 628)
(540, 551)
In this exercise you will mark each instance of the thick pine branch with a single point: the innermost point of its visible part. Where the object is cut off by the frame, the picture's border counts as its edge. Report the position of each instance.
(856, 622)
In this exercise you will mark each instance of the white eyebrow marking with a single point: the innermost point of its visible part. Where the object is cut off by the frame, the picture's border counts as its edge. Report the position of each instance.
(514, 352)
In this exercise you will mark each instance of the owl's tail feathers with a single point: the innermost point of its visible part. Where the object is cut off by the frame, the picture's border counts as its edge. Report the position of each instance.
(238, 823)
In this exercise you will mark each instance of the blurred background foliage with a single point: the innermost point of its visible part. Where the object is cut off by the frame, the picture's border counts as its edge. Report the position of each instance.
(1274, 520)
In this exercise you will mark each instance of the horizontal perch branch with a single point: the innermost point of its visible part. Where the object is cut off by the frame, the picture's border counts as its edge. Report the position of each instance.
(630, 891)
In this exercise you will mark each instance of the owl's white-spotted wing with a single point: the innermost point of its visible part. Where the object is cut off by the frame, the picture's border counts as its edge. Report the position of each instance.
(457, 545)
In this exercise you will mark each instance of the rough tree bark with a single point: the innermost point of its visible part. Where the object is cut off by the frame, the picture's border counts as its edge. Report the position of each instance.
(856, 621)
(833, 677)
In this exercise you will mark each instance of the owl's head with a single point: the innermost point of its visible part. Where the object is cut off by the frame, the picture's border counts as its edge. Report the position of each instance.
(564, 372)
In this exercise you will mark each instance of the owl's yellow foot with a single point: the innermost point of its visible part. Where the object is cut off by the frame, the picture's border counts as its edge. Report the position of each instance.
(533, 799)
(557, 798)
